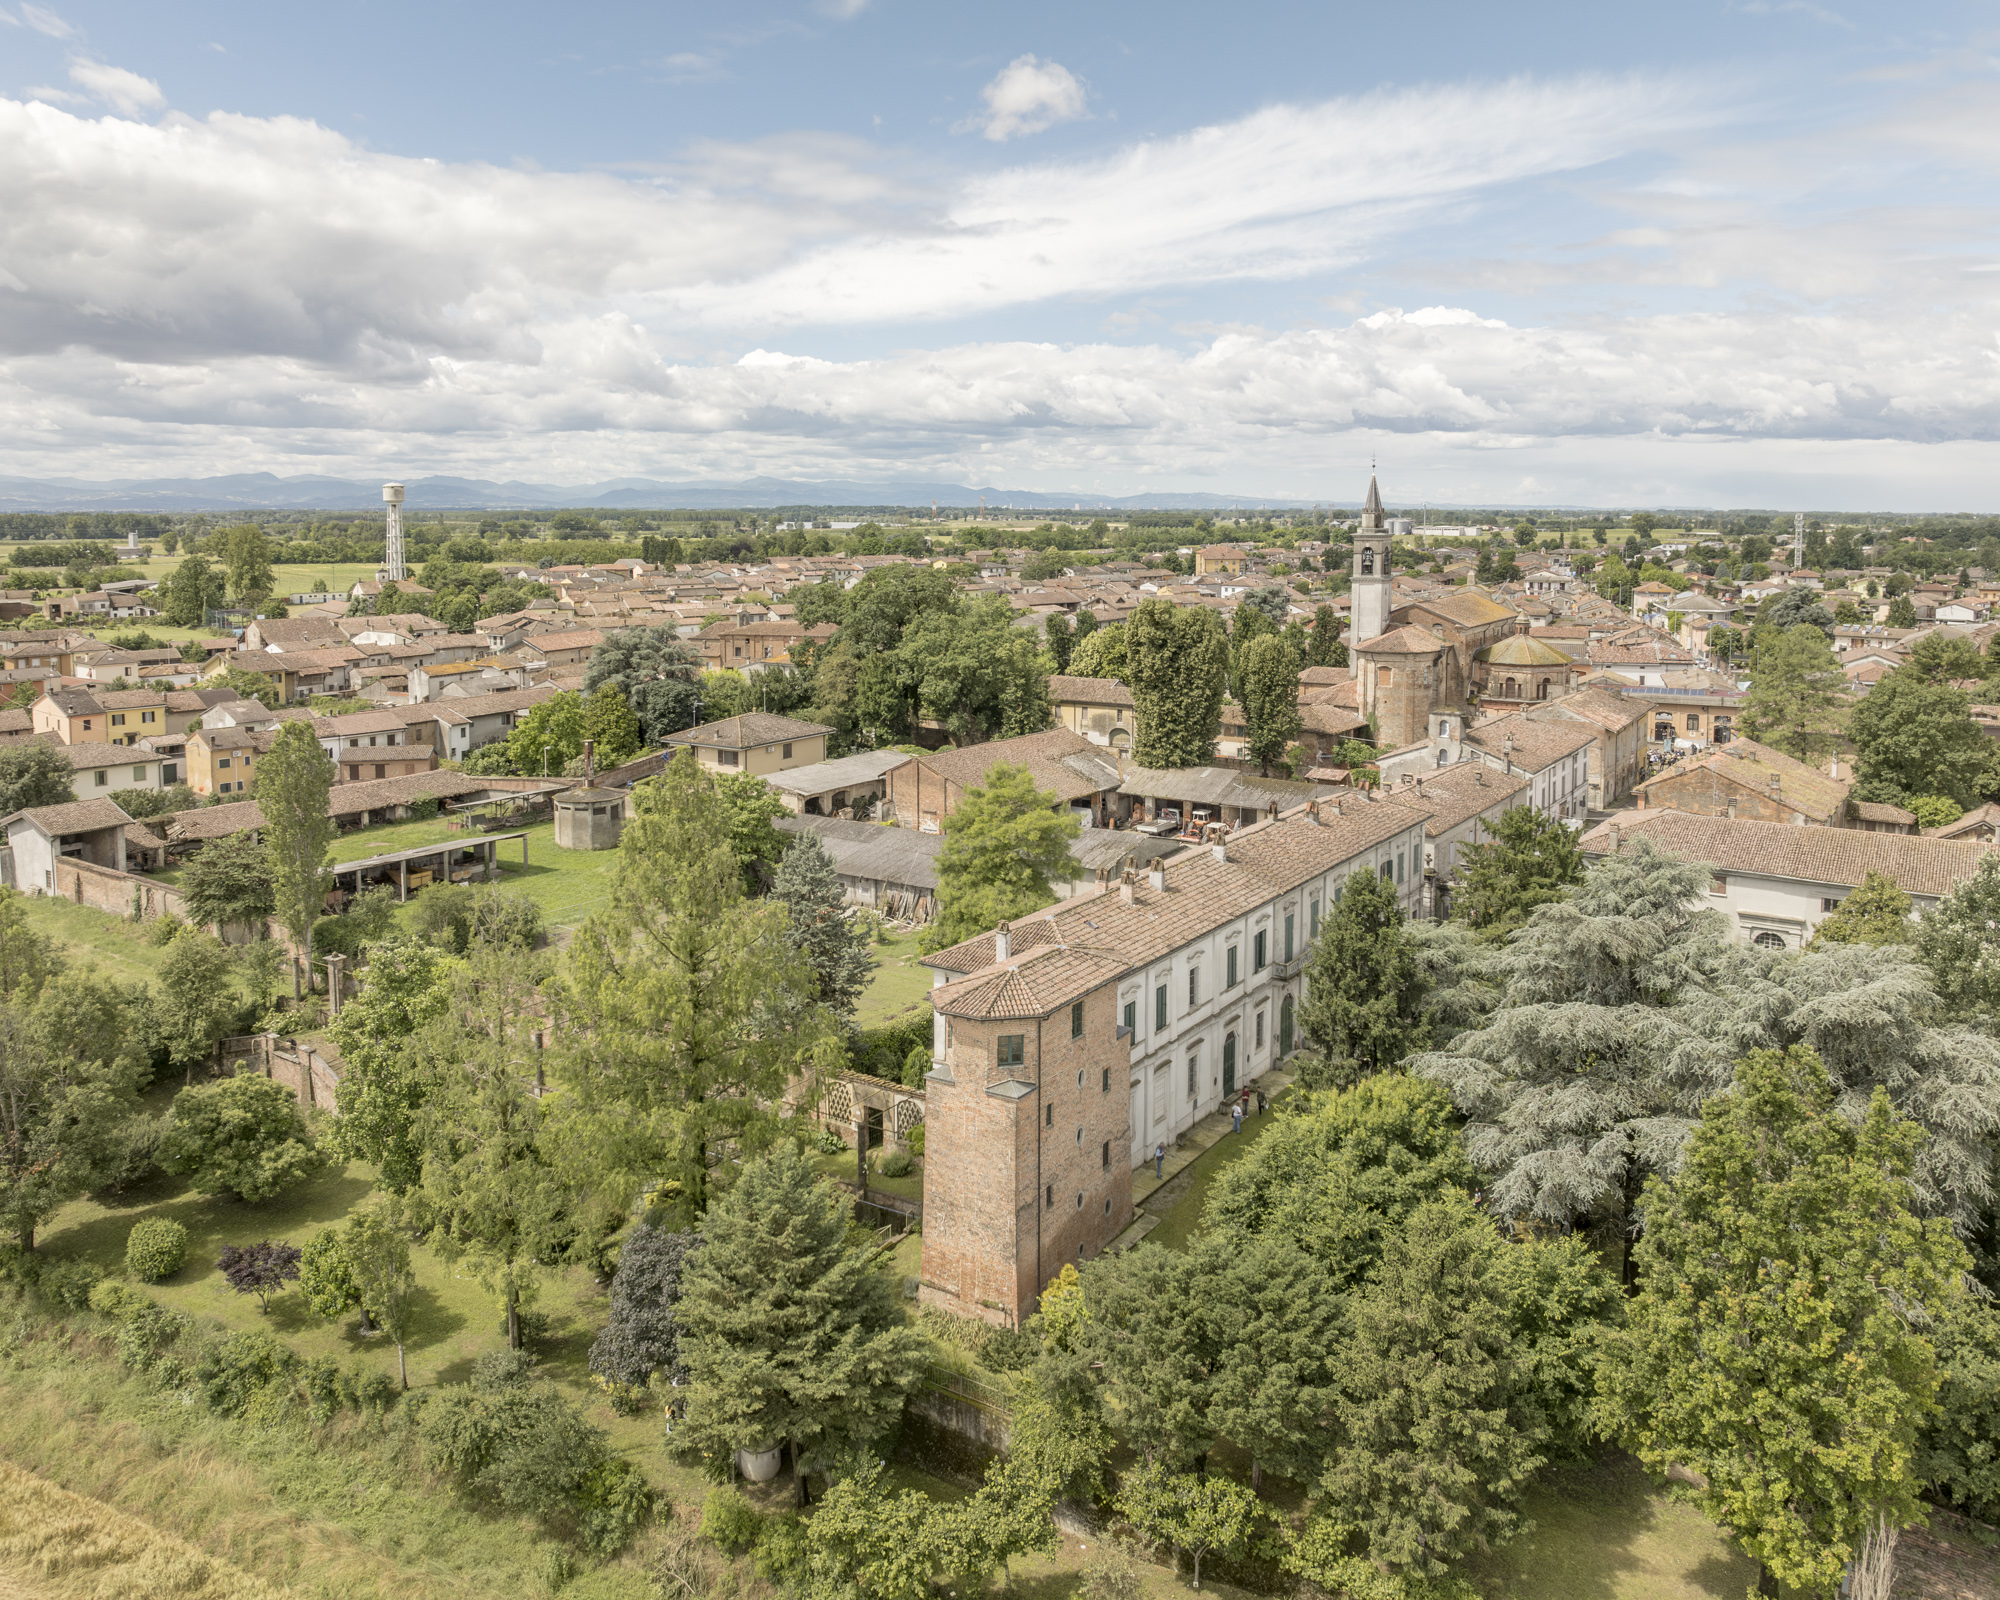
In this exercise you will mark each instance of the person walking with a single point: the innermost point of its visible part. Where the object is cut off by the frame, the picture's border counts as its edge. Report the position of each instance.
(1159, 1159)
(1261, 1102)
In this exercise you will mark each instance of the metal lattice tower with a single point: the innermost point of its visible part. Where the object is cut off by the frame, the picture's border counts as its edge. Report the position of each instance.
(1798, 538)
(392, 559)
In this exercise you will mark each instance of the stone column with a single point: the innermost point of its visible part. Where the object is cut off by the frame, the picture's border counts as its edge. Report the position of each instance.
(336, 972)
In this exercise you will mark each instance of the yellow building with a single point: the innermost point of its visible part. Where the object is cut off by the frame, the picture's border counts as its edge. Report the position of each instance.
(754, 742)
(1220, 558)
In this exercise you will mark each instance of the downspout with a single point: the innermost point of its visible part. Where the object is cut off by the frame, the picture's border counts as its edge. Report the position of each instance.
(1039, 1131)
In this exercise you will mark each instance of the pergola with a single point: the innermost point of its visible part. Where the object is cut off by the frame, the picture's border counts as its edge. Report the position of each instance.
(450, 859)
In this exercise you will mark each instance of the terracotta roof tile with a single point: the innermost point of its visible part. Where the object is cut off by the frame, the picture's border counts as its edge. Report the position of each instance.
(1841, 857)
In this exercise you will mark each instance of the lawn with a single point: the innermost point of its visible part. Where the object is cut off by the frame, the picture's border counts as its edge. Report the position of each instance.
(897, 986)
(567, 884)
(117, 946)
(1180, 1219)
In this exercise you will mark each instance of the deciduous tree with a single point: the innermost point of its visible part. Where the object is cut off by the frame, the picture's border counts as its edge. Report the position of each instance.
(1798, 695)
(1325, 647)
(1913, 737)
(229, 880)
(1777, 1346)
(1269, 686)
(1003, 844)
(63, 1106)
(1198, 1516)
(35, 774)
(657, 672)
(1876, 912)
(1178, 666)
(243, 1136)
(196, 1003)
(293, 783)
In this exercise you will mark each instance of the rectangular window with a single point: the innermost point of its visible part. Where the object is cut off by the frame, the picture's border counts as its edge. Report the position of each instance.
(1386, 676)
(145, 716)
(1229, 969)
(1389, 870)
(1107, 1155)
(1011, 1049)
(117, 719)
(224, 762)
(1312, 918)
(103, 778)
(1260, 1030)
(1719, 884)
(1048, 1116)
(1160, 1009)
(138, 774)
(1132, 1017)
(1399, 866)
(1052, 1197)
(1290, 918)
(1076, 1020)
(1194, 987)
(1694, 722)
(1194, 1076)
(788, 752)
(1829, 905)
(725, 758)
(1105, 1087)
(1260, 954)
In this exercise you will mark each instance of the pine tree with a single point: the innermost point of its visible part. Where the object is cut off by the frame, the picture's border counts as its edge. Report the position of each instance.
(1269, 686)
(1002, 845)
(823, 928)
(686, 1013)
(1363, 1010)
(790, 1330)
(1777, 1346)
(1178, 666)
(1436, 1433)
(293, 782)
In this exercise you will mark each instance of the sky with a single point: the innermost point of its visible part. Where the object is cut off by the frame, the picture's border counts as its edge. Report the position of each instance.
(1726, 254)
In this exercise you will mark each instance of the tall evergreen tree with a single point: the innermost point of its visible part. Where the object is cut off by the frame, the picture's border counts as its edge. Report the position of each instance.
(1528, 862)
(1798, 695)
(1268, 683)
(822, 926)
(1778, 1344)
(790, 1329)
(1177, 668)
(1436, 1431)
(1325, 647)
(294, 781)
(686, 1013)
(1364, 1003)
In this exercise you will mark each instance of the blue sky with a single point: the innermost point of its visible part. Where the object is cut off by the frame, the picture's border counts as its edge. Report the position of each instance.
(1737, 254)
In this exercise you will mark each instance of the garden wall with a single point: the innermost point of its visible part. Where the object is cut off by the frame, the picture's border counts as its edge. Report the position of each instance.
(308, 1070)
(107, 889)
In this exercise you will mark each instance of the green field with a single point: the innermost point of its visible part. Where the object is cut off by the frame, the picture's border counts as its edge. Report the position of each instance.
(897, 985)
(567, 884)
(118, 946)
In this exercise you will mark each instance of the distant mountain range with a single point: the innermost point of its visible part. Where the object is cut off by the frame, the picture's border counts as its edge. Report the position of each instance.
(264, 491)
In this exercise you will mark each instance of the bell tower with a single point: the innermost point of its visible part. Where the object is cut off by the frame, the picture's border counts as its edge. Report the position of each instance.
(1370, 603)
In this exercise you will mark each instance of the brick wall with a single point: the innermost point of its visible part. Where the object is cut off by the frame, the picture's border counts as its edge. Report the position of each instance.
(106, 889)
(309, 1072)
(1016, 1184)
(914, 790)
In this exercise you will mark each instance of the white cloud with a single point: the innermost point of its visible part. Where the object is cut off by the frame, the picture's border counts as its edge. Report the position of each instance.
(689, 66)
(235, 292)
(55, 96)
(121, 90)
(1026, 96)
(845, 10)
(45, 21)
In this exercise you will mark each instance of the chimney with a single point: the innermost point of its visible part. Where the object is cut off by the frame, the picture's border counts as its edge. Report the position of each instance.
(1156, 877)
(1339, 809)
(1729, 810)
(1128, 881)
(1613, 829)
(1003, 944)
(1103, 879)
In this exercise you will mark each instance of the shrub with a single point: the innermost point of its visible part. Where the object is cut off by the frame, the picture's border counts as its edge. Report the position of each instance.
(614, 1504)
(827, 1142)
(444, 916)
(781, 1552)
(165, 929)
(915, 1140)
(730, 1523)
(326, 1387)
(375, 1391)
(326, 1281)
(110, 1298)
(337, 936)
(642, 1336)
(147, 1332)
(897, 1164)
(503, 919)
(243, 1136)
(1111, 1574)
(155, 1249)
(138, 1160)
(232, 1372)
(558, 1567)
(1009, 1350)
(68, 1284)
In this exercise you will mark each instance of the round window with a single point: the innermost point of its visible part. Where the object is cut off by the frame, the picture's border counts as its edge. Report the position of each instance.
(1769, 941)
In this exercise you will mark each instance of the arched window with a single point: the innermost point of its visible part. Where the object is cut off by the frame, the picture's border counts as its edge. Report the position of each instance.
(1542, 689)
(1367, 561)
(1507, 689)
(1768, 940)
(1228, 1065)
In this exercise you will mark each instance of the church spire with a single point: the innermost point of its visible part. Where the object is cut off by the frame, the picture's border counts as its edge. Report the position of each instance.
(1371, 510)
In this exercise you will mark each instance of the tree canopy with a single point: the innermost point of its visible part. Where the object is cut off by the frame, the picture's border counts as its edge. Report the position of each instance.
(1177, 669)
(1002, 845)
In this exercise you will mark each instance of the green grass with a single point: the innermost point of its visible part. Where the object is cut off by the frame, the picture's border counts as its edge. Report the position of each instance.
(1606, 1532)
(897, 986)
(116, 945)
(567, 884)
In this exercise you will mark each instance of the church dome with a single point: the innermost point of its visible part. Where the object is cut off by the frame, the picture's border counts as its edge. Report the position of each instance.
(1518, 650)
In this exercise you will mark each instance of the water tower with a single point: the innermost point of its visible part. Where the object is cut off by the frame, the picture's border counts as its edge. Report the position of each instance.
(392, 562)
